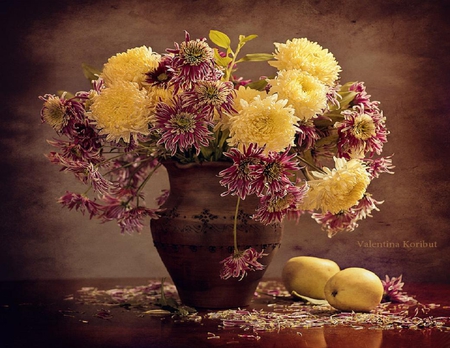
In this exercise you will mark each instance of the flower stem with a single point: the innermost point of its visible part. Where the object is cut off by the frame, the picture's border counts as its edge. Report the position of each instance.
(236, 250)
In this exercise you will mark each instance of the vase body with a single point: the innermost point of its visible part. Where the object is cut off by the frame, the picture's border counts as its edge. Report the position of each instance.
(195, 233)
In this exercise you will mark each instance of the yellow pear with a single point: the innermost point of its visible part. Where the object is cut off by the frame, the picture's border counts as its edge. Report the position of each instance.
(307, 275)
(354, 289)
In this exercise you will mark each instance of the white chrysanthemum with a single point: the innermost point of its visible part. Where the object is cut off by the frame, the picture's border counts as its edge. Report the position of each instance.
(264, 121)
(130, 66)
(121, 111)
(307, 56)
(338, 189)
(304, 92)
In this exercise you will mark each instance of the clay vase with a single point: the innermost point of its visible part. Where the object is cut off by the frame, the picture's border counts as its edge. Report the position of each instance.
(195, 233)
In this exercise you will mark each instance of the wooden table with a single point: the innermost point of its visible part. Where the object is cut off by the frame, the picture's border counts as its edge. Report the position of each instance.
(52, 314)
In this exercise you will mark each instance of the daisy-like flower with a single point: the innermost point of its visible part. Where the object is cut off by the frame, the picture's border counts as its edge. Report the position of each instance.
(267, 122)
(181, 128)
(54, 112)
(193, 60)
(276, 205)
(362, 131)
(130, 66)
(211, 95)
(80, 202)
(163, 73)
(338, 189)
(273, 172)
(306, 93)
(239, 176)
(307, 56)
(343, 221)
(240, 262)
(121, 111)
(393, 290)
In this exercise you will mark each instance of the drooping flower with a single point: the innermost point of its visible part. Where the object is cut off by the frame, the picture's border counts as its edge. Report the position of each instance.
(80, 202)
(130, 66)
(306, 93)
(377, 166)
(132, 219)
(307, 56)
(240, 262)
(276, 205)
(239, 176)
(365, 206)
(121, 111)
(181, 128)
(343, 221)
(267, 122)
(338, 189)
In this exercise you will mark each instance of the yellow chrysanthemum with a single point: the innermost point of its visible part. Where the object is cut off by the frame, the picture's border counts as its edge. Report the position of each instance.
(242, 93)
(264, 121)
(338, 189)
(121, 111)
(305, 93)
(130, 66)
(308, 56)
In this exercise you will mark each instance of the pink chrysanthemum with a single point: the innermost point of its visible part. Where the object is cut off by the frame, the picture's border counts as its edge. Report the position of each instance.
(274, 172)
(307, 135)
(379, 165)
(239, 176)
(393, 290)
(275, 206)
(365, 206)
(193, 61)
(362, 131)
(162, 75)
(211, 95)
(182, 128)
(132, 220)
(240, 262)
(80, 202)
(344, 221)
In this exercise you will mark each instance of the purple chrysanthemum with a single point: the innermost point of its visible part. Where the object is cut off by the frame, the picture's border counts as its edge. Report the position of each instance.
(181, 128)
(273, 172)
(193, 60)
(80, 202)
(240, 262)
(393, 290)
(362, 131)
(239, 176)
(276, 205)
(344, 221)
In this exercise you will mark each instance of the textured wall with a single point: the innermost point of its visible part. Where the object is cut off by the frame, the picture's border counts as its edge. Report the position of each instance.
(399, 48)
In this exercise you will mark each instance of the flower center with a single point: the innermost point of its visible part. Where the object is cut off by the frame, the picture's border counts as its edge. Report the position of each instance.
(195, 52)
(183, 122)
(364, 127)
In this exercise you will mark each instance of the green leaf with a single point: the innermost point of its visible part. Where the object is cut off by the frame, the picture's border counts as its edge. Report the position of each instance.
(256, 57)
(258, 85)
(309, 299)
(222, 61)
(90, 72)
(219, 38)
(243, 39)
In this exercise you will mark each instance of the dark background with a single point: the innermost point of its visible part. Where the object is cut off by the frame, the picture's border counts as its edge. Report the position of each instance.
(400, 49)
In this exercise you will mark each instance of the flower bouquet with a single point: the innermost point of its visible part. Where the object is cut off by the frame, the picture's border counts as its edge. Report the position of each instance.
(299, 140)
